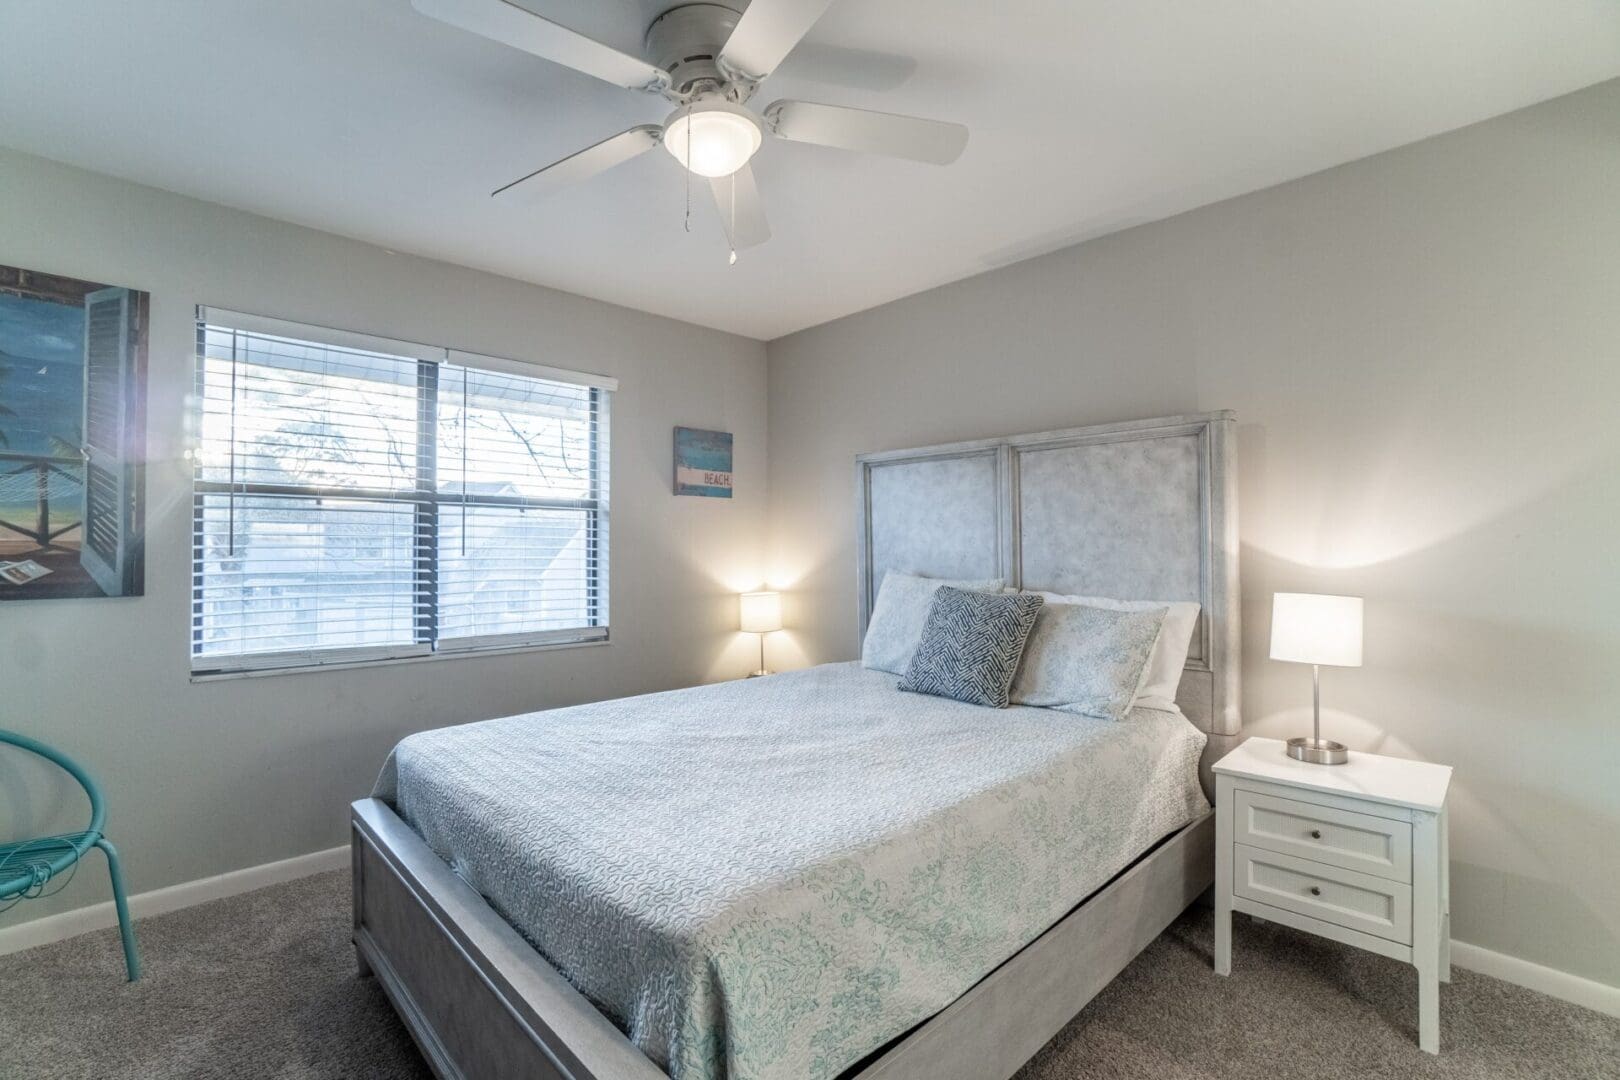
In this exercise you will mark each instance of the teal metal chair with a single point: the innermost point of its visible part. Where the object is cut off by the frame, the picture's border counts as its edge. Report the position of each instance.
(27, 867)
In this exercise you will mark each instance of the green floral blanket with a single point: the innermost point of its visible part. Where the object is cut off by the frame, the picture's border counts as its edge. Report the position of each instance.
(772, 878)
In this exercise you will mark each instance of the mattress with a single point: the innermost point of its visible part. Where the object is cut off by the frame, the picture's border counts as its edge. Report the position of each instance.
(772, 878)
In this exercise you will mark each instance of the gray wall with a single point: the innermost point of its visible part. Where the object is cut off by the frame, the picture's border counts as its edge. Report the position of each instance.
(205, 778)
(1423, 349)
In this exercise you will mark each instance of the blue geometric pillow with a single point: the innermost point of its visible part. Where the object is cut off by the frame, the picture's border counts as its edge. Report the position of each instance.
(971, 645)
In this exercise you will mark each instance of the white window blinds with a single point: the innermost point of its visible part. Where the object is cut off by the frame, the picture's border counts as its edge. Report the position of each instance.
(358, 499)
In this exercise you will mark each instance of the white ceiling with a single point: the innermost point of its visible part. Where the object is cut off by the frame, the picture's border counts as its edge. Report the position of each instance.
(363, 118)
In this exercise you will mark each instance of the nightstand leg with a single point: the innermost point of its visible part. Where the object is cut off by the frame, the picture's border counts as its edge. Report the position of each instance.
(1429, 1010)
(1223, 876)
(1428, 924)
(1445, 892)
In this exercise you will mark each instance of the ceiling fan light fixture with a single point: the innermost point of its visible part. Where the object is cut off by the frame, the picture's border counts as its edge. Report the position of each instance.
(722, 137)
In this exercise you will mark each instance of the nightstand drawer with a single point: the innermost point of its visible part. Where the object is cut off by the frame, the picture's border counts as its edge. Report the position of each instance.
(1362, 902)
(1371, 845)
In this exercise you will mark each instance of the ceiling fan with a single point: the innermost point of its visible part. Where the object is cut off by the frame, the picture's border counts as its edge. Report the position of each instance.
(708, 59)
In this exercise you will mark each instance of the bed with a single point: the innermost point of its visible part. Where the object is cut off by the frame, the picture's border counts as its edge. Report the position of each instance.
(815, 874)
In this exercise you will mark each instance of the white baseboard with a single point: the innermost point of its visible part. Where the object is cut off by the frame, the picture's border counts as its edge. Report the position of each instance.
(69, 924)
(1599, 997)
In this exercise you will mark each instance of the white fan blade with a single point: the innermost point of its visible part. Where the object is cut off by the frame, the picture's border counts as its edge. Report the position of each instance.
(586, 163)
(521, 28)
(933, 141)
(742, 214)
(766, 33)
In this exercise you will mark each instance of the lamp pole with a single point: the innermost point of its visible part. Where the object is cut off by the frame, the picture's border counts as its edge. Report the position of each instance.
(1316, 703)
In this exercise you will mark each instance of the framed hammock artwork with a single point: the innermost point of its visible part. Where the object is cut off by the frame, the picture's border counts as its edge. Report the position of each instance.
(72, 437)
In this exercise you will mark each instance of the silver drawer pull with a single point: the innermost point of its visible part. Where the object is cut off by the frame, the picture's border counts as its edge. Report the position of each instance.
(1316, 834)
(1316, 890)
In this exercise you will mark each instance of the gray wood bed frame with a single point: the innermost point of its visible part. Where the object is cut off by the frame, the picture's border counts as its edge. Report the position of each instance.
(1140, 510)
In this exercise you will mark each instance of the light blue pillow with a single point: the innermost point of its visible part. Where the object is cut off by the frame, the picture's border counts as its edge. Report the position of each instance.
(898, 615)
(1086, 660)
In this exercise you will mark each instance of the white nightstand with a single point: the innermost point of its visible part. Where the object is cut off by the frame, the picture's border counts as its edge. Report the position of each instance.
(1354, 852)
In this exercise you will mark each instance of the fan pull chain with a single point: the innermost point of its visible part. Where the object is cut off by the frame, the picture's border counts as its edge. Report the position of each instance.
(731, 234)
(689, 168)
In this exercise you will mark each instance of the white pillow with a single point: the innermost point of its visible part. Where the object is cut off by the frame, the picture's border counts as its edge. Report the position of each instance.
(899, 614)
(1162, 676)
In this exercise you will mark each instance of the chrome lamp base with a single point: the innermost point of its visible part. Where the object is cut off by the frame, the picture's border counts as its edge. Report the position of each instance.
(762, 669)
(1318, 751)
(1313, 748)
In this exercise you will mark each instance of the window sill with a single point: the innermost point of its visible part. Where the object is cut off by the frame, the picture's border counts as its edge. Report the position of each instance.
(351, 665)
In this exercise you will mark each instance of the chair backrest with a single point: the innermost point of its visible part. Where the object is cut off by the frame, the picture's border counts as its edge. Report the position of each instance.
(66, 854)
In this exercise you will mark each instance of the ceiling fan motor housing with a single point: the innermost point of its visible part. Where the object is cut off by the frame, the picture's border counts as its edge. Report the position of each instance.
(685, 41)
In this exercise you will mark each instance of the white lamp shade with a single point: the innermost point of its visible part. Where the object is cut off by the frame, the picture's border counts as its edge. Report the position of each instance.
(760, 612)
(1309, 628)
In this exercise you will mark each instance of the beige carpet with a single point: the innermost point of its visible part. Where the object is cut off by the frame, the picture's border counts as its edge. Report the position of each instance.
(263, 986)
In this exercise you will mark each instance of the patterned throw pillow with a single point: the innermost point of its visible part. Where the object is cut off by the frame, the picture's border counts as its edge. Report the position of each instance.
(1085, 659)
(899, 614)
(1162, 677)
(970, 646)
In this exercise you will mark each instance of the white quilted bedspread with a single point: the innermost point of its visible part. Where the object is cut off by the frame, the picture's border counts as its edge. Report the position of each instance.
(772, 878)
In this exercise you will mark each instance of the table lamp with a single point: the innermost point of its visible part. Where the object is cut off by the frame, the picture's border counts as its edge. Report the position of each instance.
(1308, 628)
(760, 613)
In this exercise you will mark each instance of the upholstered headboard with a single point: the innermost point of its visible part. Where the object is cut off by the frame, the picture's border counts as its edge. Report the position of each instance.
(1145, 510)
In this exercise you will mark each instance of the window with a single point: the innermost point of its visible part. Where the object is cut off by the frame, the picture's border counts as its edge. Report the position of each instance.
(359, 499)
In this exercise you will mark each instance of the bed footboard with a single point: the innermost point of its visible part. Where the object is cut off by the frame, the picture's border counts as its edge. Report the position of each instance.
(477, 998)
(481, 1003)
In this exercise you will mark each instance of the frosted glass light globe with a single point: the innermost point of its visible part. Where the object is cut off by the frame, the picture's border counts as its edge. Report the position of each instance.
(722, 138)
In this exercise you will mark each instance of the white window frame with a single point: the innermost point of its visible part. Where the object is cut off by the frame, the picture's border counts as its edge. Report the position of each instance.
(427, 499)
